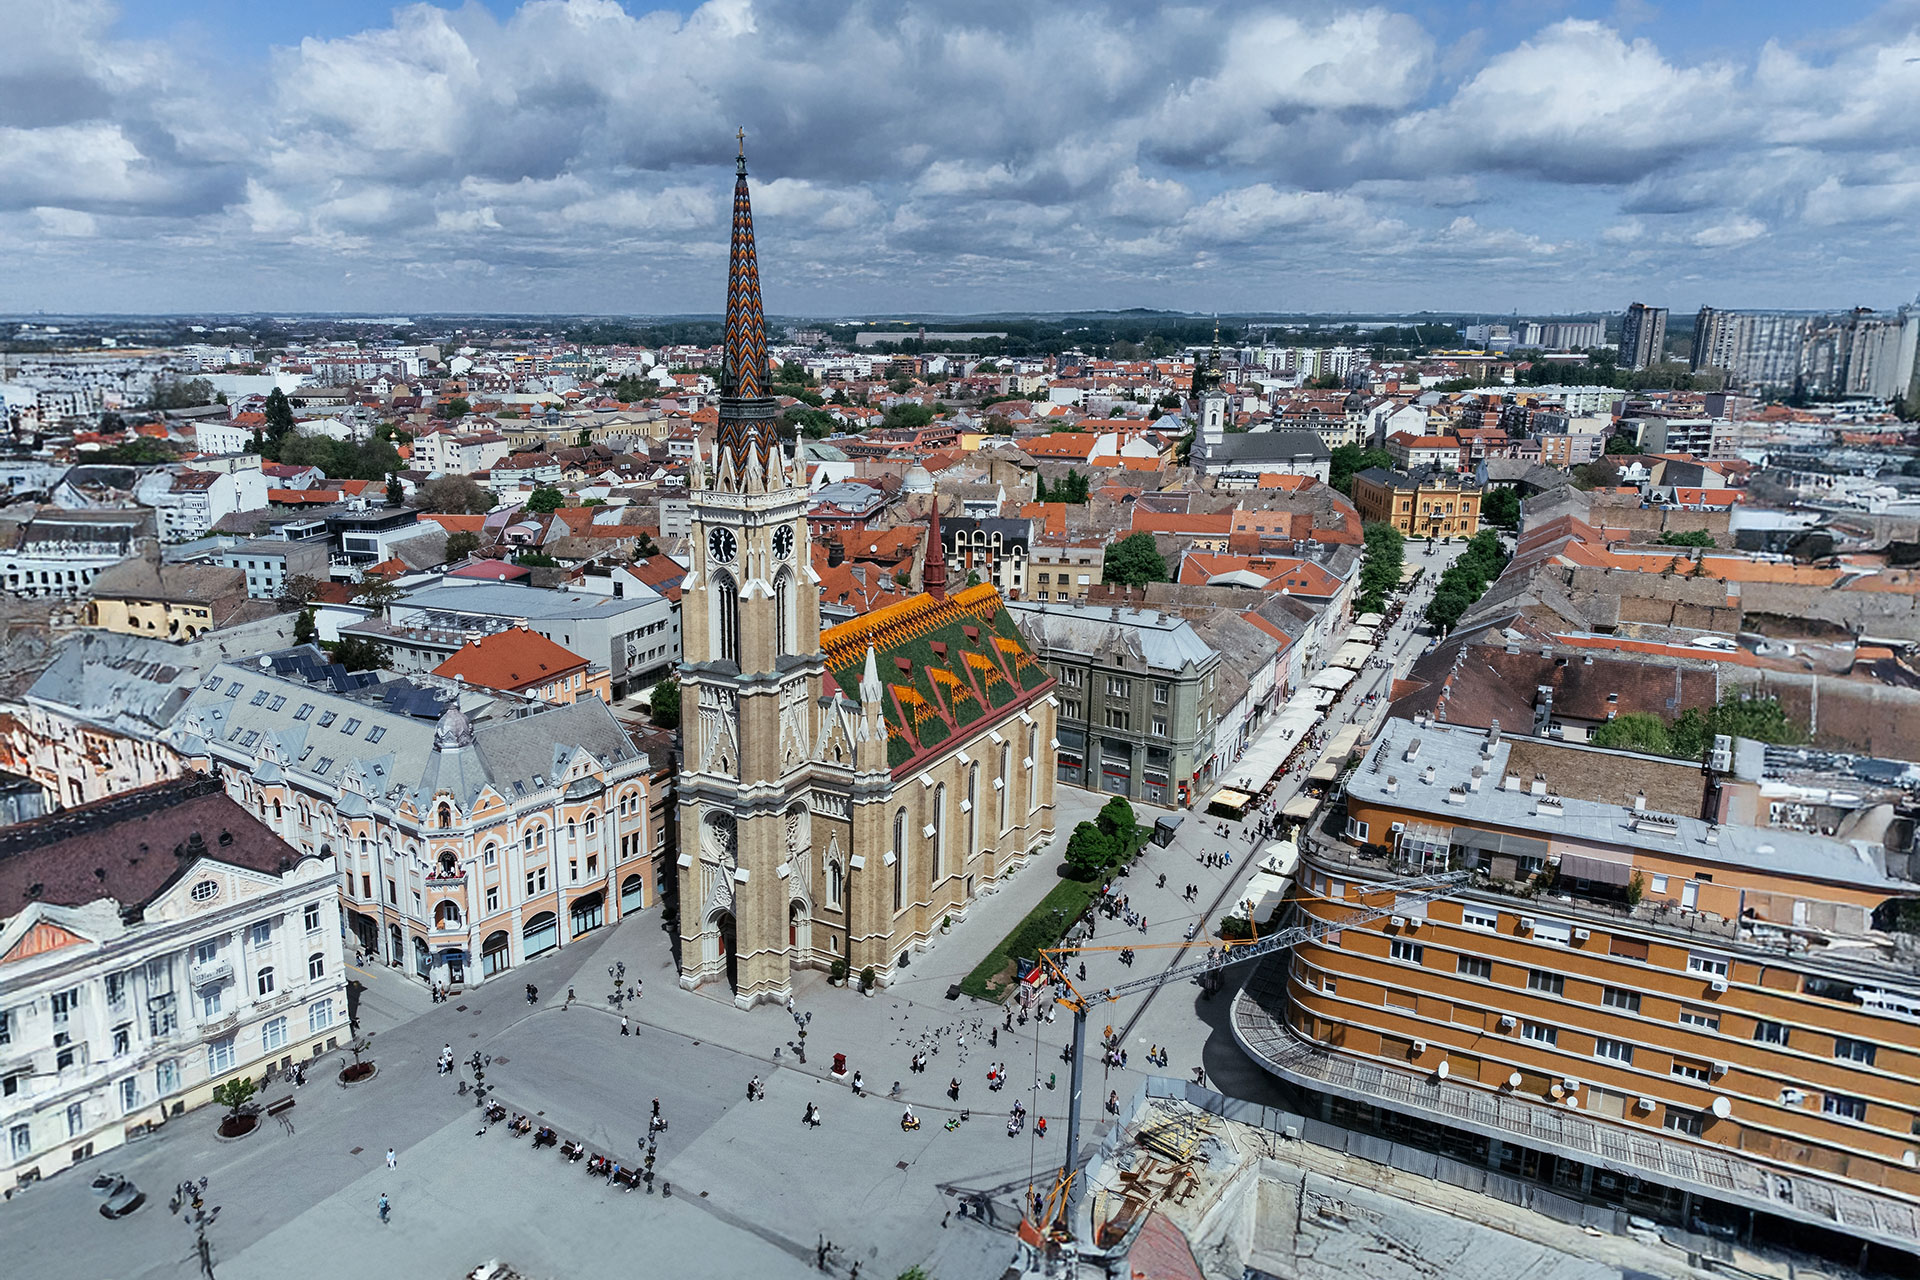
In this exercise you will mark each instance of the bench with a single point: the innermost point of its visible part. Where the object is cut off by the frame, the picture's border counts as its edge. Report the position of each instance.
(279, 1105)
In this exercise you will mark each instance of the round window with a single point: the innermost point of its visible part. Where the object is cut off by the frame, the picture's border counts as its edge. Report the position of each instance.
(204, 890)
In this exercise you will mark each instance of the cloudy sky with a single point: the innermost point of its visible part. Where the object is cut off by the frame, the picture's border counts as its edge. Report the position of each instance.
(925, 155)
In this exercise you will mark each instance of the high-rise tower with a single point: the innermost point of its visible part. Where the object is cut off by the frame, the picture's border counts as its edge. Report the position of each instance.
(751, 675)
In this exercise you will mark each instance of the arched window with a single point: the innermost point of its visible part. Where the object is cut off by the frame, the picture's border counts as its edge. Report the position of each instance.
(726, 610)
(1006, 783)
(316, 966)
(445, 814)
(937, 843)
(783, 611)
(447, 916)
(1033, 754)
(490, 855)
(835, 883)
(899, 858)
(973, 810)
(263, 980)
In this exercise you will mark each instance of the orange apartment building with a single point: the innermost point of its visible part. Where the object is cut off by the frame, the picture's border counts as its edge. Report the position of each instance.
(1422, 503)
(1642, 999)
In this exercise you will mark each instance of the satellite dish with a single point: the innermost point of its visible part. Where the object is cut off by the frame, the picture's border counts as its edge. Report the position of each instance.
(1442, 1071)
(1722, 1108)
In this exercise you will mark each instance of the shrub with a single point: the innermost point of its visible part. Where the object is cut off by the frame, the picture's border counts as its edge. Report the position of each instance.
(867, 978)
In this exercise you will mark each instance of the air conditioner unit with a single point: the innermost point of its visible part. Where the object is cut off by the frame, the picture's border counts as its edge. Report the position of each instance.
(1526, 924)
(1569, 1084)
(1413, 922)
(1792, 1097)
(1719, 1069)
(1506, 1022)
(1719, 985)
(1398, 922)
(1581, 935)
(1419, 1047)
(1644, 1105)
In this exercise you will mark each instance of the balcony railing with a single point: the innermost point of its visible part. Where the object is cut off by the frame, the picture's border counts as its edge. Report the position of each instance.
(447, 880)
(212, 971)
(219, 1026)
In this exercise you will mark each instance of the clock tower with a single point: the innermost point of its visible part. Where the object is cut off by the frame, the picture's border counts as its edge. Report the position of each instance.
(750, 680)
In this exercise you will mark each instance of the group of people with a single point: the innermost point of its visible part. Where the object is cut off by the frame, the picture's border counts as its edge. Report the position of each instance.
(446, 1060)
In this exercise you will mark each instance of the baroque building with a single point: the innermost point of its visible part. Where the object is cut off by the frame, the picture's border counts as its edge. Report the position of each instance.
(843, 794)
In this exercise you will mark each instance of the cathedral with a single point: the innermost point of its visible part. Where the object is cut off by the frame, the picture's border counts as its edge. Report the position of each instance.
(843, 793)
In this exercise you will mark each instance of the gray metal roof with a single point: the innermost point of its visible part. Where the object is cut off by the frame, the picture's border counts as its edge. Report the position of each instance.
(1452, 753)
(138, 684)
(505, 600)
(1164, 641)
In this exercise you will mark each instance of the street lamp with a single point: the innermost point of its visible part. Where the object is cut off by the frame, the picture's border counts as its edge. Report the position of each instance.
(478, 1064)
(188, 1203)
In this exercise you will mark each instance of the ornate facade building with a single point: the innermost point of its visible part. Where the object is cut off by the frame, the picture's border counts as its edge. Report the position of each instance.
(843, 793)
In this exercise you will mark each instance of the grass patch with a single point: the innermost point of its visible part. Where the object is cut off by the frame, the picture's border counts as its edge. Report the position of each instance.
(1043, 927)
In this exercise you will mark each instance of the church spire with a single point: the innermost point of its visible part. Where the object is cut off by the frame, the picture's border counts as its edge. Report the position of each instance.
(747, 424)
(933, 569)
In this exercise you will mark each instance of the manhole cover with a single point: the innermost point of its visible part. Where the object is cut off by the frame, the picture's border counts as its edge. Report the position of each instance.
(473, 1035)
(540, 1113)
(502, 1059)
(899, 1164)
(703, 1195)
(356, 1151)
(460, 1008)
(476, 1012)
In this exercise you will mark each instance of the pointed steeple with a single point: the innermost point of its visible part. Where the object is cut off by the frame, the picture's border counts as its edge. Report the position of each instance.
(933, 571)
(747, 412)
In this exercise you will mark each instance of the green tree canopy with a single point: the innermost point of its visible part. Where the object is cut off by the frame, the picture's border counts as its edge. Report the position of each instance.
(235, 1093)
(458, 407)
(1617, 445)
(1382, 562)
(1072, 487)
(358, 654)
(1349, 459)
(545, 499)
(907, 416)
(396, 492)
(176, 393)
(454, 495)
(279, 414)
(1091, 851)
(664, 703)
(1635, 731)
(305, 630)
(1501, 507)
(1134, 561)
(461, 543)
(1691, 538)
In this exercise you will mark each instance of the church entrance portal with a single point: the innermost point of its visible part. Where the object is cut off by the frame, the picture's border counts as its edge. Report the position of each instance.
(728, 948)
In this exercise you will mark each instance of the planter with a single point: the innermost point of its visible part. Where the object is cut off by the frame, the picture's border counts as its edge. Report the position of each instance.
(232, 1127)
(355, 1072)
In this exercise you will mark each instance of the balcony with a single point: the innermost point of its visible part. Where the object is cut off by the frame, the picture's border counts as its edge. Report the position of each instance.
(219, 1026)
(447, 931)
(202, 975)
(446, 880)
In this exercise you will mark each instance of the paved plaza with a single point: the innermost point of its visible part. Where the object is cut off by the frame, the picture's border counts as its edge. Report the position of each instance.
(754, 1191)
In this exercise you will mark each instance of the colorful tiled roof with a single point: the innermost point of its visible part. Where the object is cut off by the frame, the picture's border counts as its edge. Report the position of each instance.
(945, 666)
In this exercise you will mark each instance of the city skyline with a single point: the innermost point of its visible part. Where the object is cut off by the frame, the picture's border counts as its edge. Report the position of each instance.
(563, 157)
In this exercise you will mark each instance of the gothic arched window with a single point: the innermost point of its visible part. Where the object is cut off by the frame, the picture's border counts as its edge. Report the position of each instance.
(899, 858)
(783, 611)
(727, 618)
(973, 810)
(1006, 785)
(835, 883)
(936, 843)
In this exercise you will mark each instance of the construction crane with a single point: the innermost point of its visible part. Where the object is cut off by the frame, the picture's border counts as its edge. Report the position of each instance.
(1406, 891)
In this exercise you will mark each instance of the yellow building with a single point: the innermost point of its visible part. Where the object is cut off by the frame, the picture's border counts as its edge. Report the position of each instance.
(1423, 503)
(144, 597)
(1638, 1001)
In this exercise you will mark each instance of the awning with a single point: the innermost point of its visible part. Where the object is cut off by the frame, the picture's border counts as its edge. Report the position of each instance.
(1301, 806)
(1360, 635)
(1228, 799)
(1352, 654)
(1597, 870)
(1326, 770)
(1368, 620)
(1332, 678)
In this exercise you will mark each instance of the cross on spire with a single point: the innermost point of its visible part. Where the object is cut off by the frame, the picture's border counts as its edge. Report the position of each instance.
(740, 165)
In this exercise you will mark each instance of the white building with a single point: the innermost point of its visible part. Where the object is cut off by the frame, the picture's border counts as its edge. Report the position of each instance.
(153, 946)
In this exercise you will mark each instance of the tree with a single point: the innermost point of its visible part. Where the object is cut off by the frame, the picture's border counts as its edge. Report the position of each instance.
(1381, 566)
(545, 500)
(454, 495)
(458, 407)
(138, 452)
(396, 492)
(1601, 473)
(664, 703)
(299, 589)
(279, 413)
(1090, 851)
(175, 393)
(1617, 445)
(1501, 507)
(1446, 607)
(357, 654)
(1071, 487)
(305, 630)
(1691, 538)
(1039, 488)
(584, 439)
(1634, 731)
(1134, 561)
(377, 594)
(234, 1094)
(1116, 818)
(1349, 459)
(536, 560)
(907, 416)
(461, 544)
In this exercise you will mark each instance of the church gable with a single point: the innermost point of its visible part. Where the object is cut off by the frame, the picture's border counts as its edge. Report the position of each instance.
(947, 665)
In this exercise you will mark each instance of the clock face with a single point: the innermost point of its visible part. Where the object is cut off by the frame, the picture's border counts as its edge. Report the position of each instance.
(783, 542)
(721, 546)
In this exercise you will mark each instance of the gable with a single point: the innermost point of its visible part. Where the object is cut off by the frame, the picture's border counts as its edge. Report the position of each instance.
(43, 937)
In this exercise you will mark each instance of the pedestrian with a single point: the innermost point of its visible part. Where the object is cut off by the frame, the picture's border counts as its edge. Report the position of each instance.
(392, 1162)
(569, 1003)
(623, 1026)
(385, 1208)
(656, 1108)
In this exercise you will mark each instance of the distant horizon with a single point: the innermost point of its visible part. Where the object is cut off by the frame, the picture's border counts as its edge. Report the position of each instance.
(574, 157)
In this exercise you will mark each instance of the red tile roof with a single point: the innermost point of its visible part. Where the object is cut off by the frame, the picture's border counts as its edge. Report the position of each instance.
(511, 661)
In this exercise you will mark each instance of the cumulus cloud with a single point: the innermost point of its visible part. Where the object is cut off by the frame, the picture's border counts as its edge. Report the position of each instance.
(933, 154)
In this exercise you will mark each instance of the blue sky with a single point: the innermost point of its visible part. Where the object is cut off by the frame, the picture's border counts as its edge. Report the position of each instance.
(940, 155)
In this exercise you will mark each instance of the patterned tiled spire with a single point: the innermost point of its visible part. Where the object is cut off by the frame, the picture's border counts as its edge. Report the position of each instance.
(746, 428)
